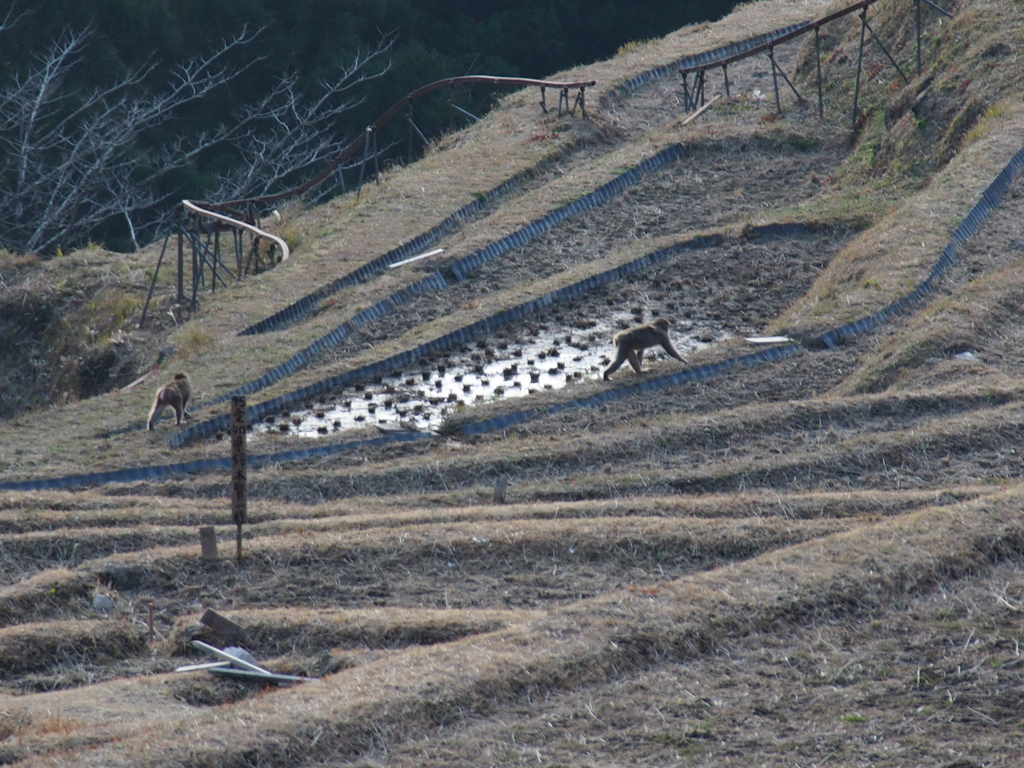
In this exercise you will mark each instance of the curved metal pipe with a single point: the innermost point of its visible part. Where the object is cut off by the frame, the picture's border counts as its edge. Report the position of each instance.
(285, 252)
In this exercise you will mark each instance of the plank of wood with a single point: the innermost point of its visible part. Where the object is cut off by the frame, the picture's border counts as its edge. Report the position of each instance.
(204, 665)
(702, 110)
(426, 255)
(768, 339)
(233, 660)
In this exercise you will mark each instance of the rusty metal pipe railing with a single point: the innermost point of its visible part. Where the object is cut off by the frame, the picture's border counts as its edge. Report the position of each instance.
(802, 29)
(402, 104)
(198, 209)
(241, 215)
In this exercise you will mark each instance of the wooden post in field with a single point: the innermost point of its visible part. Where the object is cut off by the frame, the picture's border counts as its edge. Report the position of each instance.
(238, 461)
(208, 542)
(223, 626)
(500, 489)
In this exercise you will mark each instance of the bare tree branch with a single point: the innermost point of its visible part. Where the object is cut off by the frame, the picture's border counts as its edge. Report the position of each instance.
(71, 162)
(284, 136)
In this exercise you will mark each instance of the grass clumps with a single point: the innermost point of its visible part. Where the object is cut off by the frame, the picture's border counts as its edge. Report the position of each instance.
(65, 328)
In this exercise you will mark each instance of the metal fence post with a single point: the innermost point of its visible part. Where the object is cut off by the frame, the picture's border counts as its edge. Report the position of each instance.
(860, 61)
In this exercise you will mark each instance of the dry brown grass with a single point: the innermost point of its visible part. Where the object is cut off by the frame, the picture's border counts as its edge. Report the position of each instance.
(813, 561)
(870, 567)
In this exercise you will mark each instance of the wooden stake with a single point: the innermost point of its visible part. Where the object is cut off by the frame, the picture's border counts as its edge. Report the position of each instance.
(239, 492)
(208, 542)
(223, 626)
(702, 110)
(500, 489)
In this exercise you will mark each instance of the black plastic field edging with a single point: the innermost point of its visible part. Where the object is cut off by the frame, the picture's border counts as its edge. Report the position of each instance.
(302, 307)
(990, 199)
(706, 58)
(443, 343)
(457, 272)
(968, 227)
(204, 465)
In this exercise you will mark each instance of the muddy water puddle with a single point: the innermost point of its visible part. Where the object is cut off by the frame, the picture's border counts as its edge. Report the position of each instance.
(528, 361)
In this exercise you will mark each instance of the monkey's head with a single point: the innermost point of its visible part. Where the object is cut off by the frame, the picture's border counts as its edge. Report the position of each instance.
(180, 376)
(661, 323)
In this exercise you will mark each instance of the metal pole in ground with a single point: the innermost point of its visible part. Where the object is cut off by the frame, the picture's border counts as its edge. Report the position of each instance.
(775, 80)
(817, 50)
(181, 258)
(362, 165)
(917, 24)
(860, 62)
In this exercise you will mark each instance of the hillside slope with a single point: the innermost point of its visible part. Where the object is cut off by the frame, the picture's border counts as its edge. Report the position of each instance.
(814, 556)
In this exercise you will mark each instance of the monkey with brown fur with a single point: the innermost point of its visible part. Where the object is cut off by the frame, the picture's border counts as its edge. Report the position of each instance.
(175, 394)
(631, 343)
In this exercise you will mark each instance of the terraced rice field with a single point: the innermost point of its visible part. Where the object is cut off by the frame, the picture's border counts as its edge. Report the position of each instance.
(813, 558)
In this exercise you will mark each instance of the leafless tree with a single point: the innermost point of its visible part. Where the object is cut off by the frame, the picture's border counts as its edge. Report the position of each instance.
(72, 162)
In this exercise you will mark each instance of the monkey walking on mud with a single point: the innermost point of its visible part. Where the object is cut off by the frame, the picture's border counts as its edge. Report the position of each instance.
(175, 394)
(631, 343)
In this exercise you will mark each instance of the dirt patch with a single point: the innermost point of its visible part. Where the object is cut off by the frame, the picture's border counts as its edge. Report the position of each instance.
(810, 560)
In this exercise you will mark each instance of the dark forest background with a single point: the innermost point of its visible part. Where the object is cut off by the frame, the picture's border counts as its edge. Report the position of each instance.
(431, 40)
